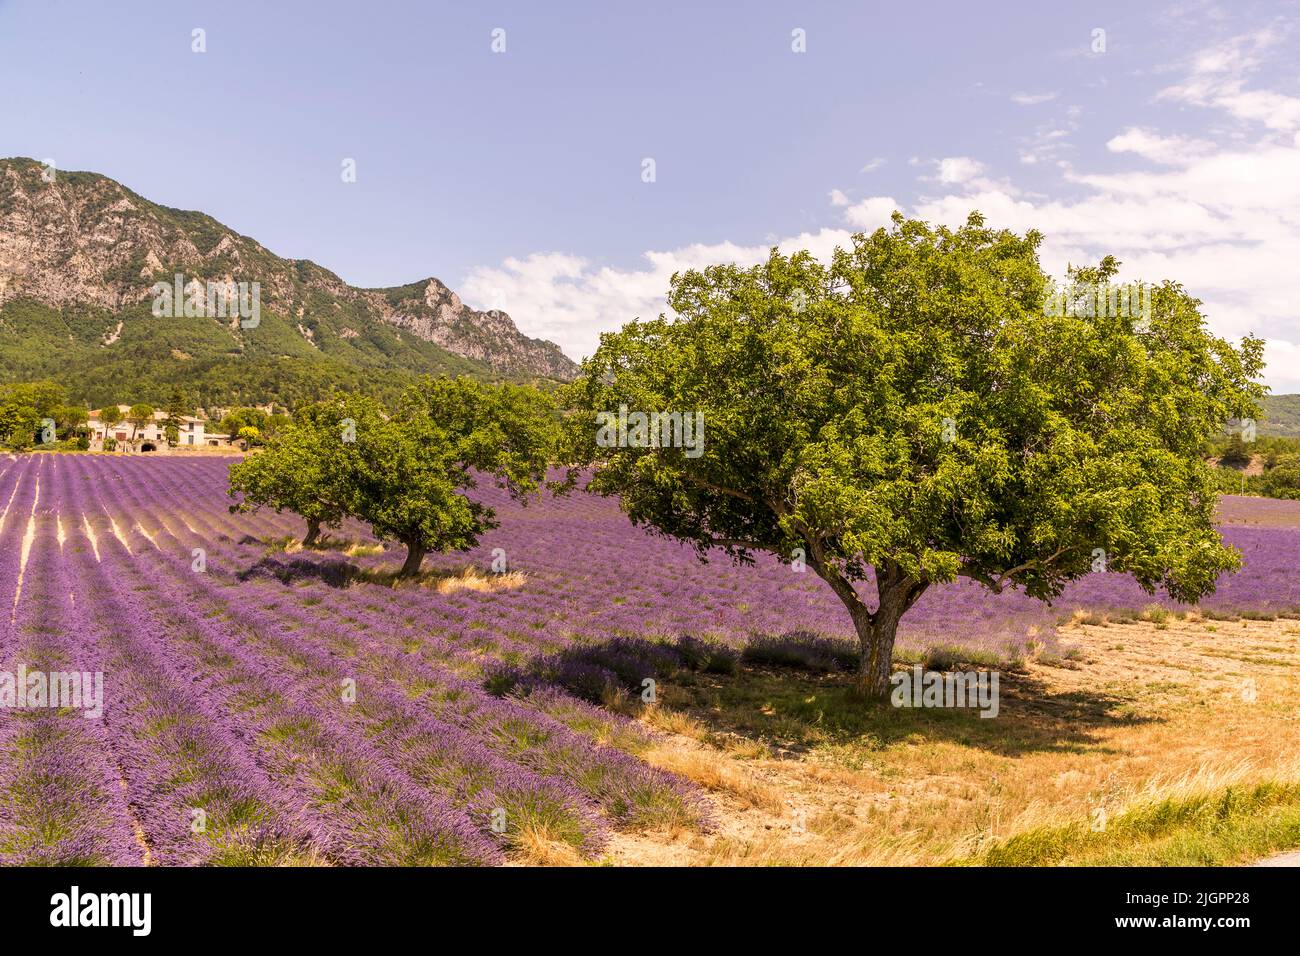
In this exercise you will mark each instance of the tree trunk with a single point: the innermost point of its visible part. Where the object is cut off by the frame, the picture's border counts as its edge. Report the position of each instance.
(415, 553)
(313, 533)
(876, 629)
(876, 659)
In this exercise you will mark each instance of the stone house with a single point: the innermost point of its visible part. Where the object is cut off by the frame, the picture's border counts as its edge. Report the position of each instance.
(152, 436)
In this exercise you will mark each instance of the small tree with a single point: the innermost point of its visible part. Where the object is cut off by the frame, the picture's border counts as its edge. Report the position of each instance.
(1283, 479)
(297, 471)
(409, 475)
(177, 408)
(913, 414)
(275, 424)
(70, 420)
(241, 418)
(1235, 454)
(110, 416)
(139, 416)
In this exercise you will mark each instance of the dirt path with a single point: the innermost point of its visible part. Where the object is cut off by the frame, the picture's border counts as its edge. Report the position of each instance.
(1282, 859)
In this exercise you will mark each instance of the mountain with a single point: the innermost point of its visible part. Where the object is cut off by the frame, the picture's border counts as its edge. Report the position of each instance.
(1281, 416)
(79, 256)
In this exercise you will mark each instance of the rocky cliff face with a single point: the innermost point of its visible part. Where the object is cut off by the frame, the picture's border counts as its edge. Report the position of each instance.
(81, 239)
(433, 312)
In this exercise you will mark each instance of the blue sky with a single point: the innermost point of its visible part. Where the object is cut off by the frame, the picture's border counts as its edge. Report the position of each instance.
(516, 177)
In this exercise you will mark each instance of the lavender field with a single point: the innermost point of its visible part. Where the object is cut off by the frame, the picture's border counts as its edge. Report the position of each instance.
(264, 705)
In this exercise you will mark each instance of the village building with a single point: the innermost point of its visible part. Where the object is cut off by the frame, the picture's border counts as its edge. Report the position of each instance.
(192, 432)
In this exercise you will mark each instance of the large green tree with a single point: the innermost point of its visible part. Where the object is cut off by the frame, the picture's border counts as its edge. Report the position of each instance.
(915, 413)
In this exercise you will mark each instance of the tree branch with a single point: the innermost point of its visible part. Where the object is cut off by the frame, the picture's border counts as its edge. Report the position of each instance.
(730, 492)
(997, 584)
(842, 587)
(739, 543)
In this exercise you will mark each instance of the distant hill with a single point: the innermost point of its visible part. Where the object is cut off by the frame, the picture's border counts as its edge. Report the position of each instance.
(1281, 416)
(78, 258)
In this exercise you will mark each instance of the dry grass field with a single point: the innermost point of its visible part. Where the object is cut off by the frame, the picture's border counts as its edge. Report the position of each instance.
(1174, 741)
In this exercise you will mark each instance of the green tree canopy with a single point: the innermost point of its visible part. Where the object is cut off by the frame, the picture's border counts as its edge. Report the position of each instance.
(18, 425)
(139, 416)
(411, 474)
(1283, 479)
(243, 418)
(1236, 454)
(408, 474)
(43, 397)
(296, 471)
(110, 415)
(912, 413)
(70, 419)
(177, 408)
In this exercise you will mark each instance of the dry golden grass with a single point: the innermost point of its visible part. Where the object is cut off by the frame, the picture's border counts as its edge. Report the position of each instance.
(472, 579)
(714, 771)
(803, 773)
(445, 582)
(674, 722)
(535, 845)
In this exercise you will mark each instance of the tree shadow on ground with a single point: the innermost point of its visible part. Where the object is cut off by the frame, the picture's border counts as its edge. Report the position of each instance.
(337, 573)
(802, 698)
(326, 544)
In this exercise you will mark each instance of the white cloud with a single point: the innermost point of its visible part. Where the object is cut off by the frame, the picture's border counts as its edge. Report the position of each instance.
(1031, 99)
(958, 169)
(870, 214)
(1284, 365)
(873, 165)
(1218, 76)
(1226, 224)
(571, 300)
(1170, 150)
